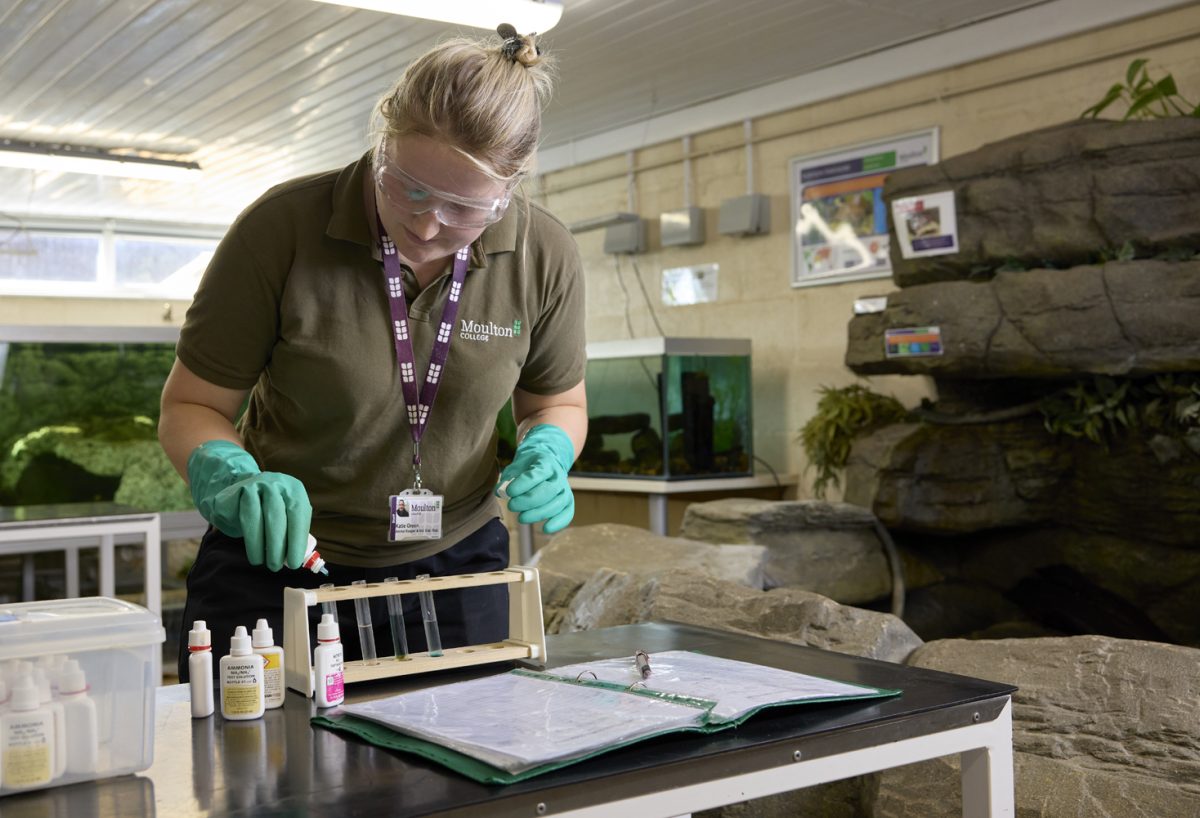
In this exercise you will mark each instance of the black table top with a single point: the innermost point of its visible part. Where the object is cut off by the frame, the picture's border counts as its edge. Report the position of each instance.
(281, 765)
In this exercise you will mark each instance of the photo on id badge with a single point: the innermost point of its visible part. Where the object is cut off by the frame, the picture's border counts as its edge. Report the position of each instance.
(415, 516)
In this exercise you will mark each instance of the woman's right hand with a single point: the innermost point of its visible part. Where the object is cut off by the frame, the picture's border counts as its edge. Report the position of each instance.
(269, 510)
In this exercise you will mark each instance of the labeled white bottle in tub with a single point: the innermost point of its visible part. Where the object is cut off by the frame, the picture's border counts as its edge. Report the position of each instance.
(26, 739)
(83, 738)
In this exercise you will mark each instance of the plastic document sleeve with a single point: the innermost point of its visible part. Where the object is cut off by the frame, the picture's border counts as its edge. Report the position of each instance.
(515, 725)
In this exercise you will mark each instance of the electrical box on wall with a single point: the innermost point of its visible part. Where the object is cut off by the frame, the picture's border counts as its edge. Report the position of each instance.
(748, 215)
(681, 227)
(625, 237)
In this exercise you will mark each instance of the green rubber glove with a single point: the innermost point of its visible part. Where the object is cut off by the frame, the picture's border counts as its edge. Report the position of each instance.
(269, 510)
(536, 480)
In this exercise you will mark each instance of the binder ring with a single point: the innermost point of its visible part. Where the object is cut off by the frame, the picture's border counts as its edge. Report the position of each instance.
(579, 678)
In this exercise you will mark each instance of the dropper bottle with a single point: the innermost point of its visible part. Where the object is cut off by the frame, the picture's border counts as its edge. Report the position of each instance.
(313, 561)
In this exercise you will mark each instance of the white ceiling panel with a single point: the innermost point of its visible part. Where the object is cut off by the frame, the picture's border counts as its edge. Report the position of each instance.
(257, 91)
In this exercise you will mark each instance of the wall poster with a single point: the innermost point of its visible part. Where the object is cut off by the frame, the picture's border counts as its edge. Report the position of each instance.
(839, 218)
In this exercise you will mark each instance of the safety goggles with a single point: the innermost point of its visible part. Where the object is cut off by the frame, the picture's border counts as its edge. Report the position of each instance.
(413, 197)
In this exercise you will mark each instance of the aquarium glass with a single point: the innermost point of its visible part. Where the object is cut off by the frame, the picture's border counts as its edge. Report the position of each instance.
(78, 425)
(668, 416)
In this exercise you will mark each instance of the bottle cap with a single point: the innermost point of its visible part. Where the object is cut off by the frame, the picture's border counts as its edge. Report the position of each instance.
(239, 645)
(24, 695)
(264, 637)
(72, 679)
(313, 561)
(327, 630)
(199, 636)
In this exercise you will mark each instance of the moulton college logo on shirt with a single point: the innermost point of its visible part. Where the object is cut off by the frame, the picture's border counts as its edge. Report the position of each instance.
(474, 331)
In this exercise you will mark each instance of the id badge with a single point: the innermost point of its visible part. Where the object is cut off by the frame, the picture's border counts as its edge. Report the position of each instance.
(415, 514)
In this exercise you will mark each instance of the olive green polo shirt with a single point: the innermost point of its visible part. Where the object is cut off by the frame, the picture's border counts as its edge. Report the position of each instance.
(293, 307)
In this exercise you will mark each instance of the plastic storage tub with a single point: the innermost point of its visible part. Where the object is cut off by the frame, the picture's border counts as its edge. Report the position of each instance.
(77, 688)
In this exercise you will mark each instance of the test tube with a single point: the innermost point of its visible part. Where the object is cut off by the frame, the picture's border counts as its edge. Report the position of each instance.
(329, 607)
(429, 616)
(366, 634)
(396, 618)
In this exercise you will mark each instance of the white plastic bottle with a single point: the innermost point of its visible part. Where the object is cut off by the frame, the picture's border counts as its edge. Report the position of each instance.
(328, 667)
(241, 679)
(83, 737)
(313, 561)
(26, 739)
(263, 642)
(200, 675)
(42, 682)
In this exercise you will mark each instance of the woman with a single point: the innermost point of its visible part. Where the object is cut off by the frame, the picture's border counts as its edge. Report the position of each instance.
(342, 305)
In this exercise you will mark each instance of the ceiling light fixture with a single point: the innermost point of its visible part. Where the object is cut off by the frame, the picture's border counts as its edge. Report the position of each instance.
(525, 15)
(60, 158)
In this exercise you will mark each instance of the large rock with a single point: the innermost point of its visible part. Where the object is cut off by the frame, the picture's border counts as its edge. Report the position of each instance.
(829, 548)
(1100, 727)
(610, 597)
(580, 551)
(1062, 196)
(1129, 318)
(954, 479)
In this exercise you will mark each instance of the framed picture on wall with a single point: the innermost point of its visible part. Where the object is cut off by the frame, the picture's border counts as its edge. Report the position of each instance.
(839, 218)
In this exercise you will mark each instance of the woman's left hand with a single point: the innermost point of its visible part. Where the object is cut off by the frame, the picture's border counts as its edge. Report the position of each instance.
(536, 480)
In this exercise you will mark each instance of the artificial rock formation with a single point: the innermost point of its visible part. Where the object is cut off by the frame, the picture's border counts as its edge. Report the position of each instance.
(1130, 318)
(1062, 196)
(828, 548)
(1100, 727)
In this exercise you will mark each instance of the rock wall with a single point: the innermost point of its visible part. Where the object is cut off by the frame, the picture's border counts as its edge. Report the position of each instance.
(1062, 196)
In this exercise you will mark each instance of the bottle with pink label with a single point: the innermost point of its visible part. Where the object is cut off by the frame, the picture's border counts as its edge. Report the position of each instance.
(327, 663)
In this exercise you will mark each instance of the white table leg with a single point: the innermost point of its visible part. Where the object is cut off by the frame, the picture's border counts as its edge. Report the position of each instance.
(72, 572)
(658, 513)
(153, 564)
(987, 774)
(27, 578)
(108, 573)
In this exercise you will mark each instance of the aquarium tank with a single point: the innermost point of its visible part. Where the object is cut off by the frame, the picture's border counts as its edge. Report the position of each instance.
(79, 418)
(668, 408)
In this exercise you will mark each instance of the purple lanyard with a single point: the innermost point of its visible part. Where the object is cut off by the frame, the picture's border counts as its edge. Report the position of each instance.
(419, 406)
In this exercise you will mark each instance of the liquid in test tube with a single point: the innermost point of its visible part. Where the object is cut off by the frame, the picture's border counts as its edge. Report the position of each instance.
(329, 607)
(429, 617)
(396, 618)
(366, 634)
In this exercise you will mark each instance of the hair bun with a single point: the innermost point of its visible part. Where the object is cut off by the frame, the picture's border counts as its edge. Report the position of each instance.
(516, 48)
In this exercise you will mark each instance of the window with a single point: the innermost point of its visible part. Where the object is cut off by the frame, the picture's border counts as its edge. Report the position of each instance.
(104, 259)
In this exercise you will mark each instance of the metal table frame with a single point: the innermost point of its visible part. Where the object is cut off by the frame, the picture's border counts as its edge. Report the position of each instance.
(281, 763)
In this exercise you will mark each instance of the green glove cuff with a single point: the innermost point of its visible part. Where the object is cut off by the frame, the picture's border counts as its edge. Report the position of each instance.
(551, 439)
(213, 466)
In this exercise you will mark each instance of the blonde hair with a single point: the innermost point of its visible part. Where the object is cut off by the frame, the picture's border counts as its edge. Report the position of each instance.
(484, 99)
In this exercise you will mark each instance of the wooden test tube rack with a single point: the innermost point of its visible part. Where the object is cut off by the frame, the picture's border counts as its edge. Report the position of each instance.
(526, 633)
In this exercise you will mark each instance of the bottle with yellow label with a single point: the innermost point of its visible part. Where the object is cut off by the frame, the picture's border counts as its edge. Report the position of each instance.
(242, 679)
(26, 739)
(264, 645)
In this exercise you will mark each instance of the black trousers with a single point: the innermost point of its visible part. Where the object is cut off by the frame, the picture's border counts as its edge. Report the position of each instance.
(226, 591)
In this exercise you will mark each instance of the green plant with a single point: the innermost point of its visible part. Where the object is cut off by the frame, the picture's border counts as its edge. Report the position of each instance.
(843, 415)
(1102, 407)
(1147, 98)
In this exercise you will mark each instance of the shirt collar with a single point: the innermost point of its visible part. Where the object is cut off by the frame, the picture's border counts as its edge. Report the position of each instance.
(350, 220)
